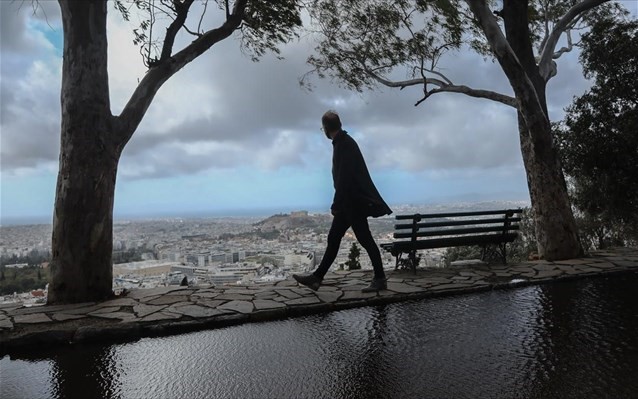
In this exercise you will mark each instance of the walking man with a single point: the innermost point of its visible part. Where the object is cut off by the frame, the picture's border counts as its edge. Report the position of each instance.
(355, 199)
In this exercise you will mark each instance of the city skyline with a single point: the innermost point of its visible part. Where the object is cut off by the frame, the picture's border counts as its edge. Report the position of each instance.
(227, 135)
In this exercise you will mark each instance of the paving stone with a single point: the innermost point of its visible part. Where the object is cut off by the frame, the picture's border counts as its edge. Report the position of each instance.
(264, 304)
(266, 295)
(138, 293)
(143, 310)
(530, 274)
(206, 294)
(572, 262)
(403, 288)
(35, 318)
(123, 316)
(168, 300)
(47, 308)
(544, 267)
(449, 286)
(503, 274)
(626, 263)
(349, 282)
(195, 311)
(238, 306)
(395, 280)
(234, 297)
(280, 298)
(286, 283)
(471, 274)
(458, 278)
(548, 273)
(328, 296)
(356, 287)
(208, 303)
(6, 324)
(65, 317)
(159, 316)
(352, 295)
(433, 280)
(602, 265)
(289, 294)
(106, 309)
(120, 302)
(303, 301)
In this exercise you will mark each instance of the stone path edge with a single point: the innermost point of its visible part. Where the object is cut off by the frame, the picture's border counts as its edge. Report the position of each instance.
(37, 337)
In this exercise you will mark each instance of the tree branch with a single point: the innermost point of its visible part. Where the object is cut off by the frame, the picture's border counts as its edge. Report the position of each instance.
(156, 76)
(182, 12)
(445, 87)
(547, 52)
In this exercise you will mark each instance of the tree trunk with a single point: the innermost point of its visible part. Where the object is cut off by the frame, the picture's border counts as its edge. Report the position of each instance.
(556, 231)
(82, 243)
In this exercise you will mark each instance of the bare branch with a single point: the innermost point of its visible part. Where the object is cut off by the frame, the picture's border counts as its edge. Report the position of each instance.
(547, 52)
(445, 87)
(567, 49)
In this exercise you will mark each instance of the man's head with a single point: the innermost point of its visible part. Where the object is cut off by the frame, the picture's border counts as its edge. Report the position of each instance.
(331, 123)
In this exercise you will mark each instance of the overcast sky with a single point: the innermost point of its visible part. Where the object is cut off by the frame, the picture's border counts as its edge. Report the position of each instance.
(227, 136)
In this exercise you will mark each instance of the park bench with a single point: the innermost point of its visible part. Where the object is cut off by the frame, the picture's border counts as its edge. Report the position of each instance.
(491, 230)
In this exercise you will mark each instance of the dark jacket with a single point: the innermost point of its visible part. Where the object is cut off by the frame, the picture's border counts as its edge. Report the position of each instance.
(354, 190)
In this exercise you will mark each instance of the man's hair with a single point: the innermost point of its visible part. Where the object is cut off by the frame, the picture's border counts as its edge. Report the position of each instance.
(330, 121)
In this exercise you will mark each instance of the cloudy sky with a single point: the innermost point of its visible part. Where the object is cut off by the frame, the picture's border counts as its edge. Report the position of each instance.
(228, 136)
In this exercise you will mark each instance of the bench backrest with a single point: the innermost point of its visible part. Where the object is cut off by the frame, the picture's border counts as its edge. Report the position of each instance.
(457, 224)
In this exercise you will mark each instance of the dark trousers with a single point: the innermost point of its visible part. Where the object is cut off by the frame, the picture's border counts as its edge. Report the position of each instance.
(340, 225)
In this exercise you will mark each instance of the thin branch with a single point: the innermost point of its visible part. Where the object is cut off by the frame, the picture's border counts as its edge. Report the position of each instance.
(567, 49)
(547, 52)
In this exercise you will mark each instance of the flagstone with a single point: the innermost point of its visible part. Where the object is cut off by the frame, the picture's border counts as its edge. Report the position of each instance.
(6, 324)
(328, 296)
(352, 295)
(234, 297)
(163, 315)
(168, 300)
(264, 304)
(143, 310)
(303, 301)
(115, 315)
(289, 294)
(195, 311)
(403, 288)
(238, 306)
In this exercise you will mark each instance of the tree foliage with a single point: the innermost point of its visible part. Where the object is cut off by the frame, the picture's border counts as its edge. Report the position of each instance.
(598, 141)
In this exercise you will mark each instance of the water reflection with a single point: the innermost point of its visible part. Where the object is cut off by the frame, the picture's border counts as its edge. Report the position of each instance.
(569, 340)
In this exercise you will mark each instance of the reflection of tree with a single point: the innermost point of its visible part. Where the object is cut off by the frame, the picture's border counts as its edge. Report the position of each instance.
(579, 346)
(85, 372)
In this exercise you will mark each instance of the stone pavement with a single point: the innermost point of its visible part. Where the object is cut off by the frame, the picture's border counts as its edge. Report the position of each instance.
(171, 310)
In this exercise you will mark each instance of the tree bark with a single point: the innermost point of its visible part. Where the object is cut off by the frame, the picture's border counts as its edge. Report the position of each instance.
(82, 242)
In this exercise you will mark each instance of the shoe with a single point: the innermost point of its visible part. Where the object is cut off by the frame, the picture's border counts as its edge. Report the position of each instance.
(311, 281)
(377, 284)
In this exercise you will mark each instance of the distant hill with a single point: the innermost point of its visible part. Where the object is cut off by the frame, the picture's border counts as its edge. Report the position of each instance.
(294, 220)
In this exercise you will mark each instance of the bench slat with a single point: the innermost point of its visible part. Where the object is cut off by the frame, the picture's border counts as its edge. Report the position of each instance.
(458, 214)
(406, 246)
(456, 223)
(453, 232)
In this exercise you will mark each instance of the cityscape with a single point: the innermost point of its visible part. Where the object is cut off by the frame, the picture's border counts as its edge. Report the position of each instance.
(219, 251)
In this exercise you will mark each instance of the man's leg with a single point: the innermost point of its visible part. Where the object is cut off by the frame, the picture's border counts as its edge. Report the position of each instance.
(364, 236)
(340, 225)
